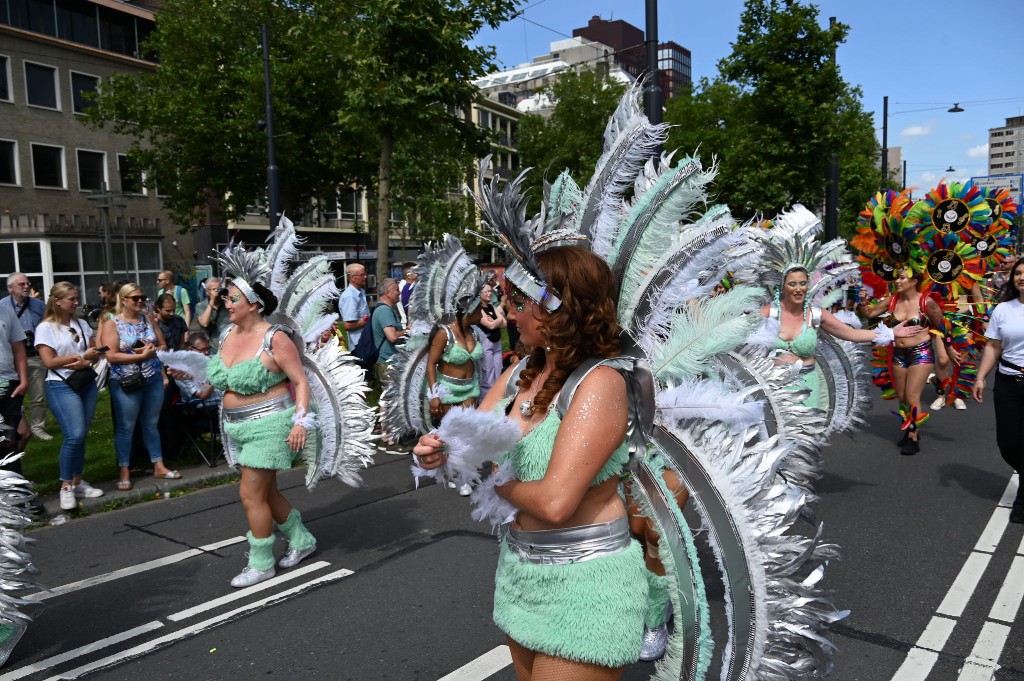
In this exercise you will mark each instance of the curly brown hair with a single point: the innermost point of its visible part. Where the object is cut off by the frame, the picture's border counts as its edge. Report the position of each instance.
(583, 326)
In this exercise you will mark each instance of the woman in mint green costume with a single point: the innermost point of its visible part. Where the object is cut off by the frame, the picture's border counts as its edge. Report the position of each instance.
(266, 427)
(454, 358)
(571, 589)
(798, 326)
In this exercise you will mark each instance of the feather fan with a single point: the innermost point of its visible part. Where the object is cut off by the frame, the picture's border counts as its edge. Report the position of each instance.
(710, 401)
(486, 502)
(192, 363)
(472, 438)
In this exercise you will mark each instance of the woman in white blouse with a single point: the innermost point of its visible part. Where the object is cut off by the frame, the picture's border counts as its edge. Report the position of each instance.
(66, 347)
(1005, 345)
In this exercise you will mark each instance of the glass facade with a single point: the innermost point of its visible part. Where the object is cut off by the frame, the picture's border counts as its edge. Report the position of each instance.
(80, 22)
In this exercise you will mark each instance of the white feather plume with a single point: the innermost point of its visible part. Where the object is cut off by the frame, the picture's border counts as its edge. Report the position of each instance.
(472, 438)
(849, 318)
(192, 363)
(710, 401)
(486, 502)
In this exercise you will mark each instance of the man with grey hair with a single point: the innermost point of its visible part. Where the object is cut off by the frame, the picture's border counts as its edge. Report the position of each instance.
(352, 305)
(29, 312)
(211, 313)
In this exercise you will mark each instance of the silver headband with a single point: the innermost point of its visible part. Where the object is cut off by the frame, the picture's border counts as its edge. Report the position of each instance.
(243, 286)
(521, 278)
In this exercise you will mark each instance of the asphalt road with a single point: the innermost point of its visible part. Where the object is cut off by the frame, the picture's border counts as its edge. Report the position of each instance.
(401, 585)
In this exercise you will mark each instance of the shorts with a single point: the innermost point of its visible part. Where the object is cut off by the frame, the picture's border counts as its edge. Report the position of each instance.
(591, 611)
(908, 357)
(460, 389)
(261, 442)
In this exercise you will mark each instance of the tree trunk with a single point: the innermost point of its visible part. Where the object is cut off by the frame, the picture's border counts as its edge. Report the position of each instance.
(384, 204)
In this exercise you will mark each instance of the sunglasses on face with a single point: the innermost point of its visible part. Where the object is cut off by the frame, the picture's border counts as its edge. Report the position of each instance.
(137, 299)
(205, 350)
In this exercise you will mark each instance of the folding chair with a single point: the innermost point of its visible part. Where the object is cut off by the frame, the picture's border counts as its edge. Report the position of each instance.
(197, 419)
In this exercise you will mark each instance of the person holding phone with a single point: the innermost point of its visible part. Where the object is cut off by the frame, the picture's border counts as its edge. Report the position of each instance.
(66, 347)
(137, 385)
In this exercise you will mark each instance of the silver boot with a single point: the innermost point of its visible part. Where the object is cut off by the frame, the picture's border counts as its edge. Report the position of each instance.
(654, 642)
(294, 557)
(248, 577)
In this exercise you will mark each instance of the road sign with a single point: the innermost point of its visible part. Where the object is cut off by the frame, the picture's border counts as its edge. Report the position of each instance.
(1011, 182)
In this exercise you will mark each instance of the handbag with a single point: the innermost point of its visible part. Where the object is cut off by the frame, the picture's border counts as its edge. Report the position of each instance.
(81, 380)
(132, 382)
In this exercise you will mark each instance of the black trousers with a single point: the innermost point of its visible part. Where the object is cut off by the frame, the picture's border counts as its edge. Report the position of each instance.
(10, 410)
(1008, 396)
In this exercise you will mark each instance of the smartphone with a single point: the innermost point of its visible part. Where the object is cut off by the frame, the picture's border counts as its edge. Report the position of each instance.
(102, 348)
(139, 344)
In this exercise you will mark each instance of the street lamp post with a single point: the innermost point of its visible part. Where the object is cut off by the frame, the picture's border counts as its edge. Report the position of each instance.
(885, 142)
(652, 93)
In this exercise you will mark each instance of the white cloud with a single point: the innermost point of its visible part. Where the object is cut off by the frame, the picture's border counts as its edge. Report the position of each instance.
(916, 131)
(929, 177)
(980, 151)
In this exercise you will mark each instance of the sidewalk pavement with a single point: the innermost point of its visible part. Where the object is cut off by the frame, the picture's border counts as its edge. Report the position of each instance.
(145, 488)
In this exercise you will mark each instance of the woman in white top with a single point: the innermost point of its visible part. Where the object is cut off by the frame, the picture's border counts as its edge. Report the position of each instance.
(1005, 345)
(66, 347)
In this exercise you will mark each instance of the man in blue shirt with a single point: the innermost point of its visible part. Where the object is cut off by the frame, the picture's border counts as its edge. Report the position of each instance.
(29, 312)
(352, 304)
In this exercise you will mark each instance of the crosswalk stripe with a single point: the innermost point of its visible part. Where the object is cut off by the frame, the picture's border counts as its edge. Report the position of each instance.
(964, 585)
(993, 532)
(984, 658)
(488, 664)
(1010, 595)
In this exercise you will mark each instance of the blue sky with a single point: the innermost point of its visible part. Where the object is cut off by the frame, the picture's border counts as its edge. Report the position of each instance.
(924, 54)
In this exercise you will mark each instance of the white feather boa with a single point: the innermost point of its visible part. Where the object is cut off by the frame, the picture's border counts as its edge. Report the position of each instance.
(471, 438)
(192, 363)
(489, 506)
(849, 318)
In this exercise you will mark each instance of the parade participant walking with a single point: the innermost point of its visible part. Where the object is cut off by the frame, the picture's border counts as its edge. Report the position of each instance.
(66, 346)
(29, 311)
(1005, 347)
(137, 385)
(352, 305)
(182, 303)
(211, 313)
(567, 488)
(912, 357)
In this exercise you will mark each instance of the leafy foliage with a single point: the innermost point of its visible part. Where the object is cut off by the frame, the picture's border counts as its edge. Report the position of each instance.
(571, 137)
(775, 113)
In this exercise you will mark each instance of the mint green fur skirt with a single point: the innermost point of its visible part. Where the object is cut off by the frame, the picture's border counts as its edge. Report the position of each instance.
(587, 612)
(262, 442)
(459, 393)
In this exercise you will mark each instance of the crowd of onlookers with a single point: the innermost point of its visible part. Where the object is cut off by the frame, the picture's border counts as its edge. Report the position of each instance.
(52, 358)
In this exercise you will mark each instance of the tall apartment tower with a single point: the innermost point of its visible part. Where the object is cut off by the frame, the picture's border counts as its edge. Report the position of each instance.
(1006, 148)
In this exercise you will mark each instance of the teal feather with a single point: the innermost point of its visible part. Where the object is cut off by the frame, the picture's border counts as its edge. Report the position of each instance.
(564, 198)
(703, 328)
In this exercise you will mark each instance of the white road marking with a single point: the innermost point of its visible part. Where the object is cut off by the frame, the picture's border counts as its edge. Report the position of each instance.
(1010, 493)
(993, 532)
(984, 658)
(488, 664)
(243, 593)
(963, 587)
(30, 669)
(131, 570)
(1010, 595)
(917, 666)
(150, 646)
(936, 634)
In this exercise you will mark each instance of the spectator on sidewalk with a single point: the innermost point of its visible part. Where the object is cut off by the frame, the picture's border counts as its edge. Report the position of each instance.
(66, 347)
(405, 295)
(182, 303)
(211, 313)
(13, 382)
(174, 328)
(190, 388)
(491, 324)
(29, 311)
(352, 304)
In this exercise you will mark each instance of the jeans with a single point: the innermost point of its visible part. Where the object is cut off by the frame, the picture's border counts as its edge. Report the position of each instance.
(143, 406)
(74, 414)
(1008, 397)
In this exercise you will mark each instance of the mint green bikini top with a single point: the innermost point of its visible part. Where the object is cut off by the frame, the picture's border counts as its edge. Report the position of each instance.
(456, 354)
(248, 377)
(804, 345)
(532, 454)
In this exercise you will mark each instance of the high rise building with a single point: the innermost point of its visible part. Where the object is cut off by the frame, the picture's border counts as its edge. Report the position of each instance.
(1005, 155)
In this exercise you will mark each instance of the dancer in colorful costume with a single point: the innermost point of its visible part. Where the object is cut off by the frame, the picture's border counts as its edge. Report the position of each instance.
(691, 406)
(278, 310)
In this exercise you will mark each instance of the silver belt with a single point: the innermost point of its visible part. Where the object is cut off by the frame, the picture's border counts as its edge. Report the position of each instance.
(258, 410)
(456, 381)
(571, 544)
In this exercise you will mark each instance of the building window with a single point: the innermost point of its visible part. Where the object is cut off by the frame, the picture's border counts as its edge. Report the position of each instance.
(9, 162)
(33, 15)
(76, 21)
(117, 31)
(92, 170)
(1009, 143)
(131, 179)
(483, 119)
(5, 79)
(41, 86)
(48, 166)
(82, 86)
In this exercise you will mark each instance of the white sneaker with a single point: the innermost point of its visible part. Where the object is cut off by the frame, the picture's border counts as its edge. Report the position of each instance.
(84, 490)
(67, 498)
(939, 403)
(451, 485)
(294, 557)
(959, 405)
(248, 577)
(41, 434)
(465, 490)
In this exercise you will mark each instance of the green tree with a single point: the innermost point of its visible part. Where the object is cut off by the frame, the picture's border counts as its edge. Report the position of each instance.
(777, 110)
(410, 75)
(572, 136)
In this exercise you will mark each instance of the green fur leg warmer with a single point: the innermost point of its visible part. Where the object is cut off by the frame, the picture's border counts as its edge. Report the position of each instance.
(261, 552)
(657, 600)
(299, 537)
